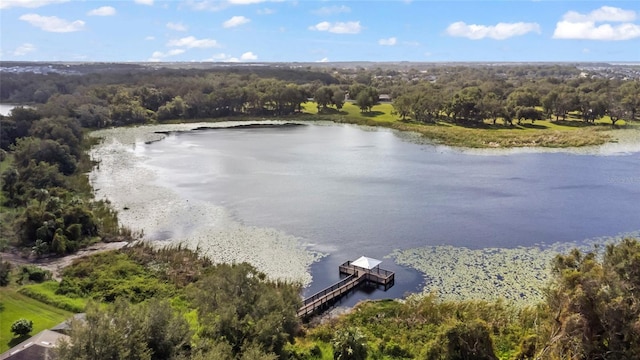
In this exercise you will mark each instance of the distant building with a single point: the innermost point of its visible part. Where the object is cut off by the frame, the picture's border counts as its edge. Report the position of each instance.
(384, 97)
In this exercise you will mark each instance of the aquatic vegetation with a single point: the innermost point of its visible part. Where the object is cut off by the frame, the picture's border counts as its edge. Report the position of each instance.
(517, 274)
(164, 218)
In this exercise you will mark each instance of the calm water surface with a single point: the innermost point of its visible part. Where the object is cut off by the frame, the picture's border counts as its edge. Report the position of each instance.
(350, 192)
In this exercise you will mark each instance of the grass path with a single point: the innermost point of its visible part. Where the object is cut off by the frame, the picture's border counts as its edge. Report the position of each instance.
(15, 306)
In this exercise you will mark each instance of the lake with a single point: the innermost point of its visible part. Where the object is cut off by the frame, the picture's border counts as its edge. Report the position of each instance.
(5, 109)
(350, 192)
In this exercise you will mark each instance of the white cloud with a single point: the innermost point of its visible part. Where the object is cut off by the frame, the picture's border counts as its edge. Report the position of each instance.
(176, 26)
(52, 23)
(248, 56)
(5, 4)
(159, 55)
(144, 2)
(323, 60)
(222, 57)
(583, 26)
(350, 27)
(245, 2)
(589, 31)
(217, 5)
(235, 21)
(603, 14)
(266, 11)
(192, 42)
(24, 49)
(388, 42)
(102, 11)
(499, 31)
(149, 38)
(331, 10)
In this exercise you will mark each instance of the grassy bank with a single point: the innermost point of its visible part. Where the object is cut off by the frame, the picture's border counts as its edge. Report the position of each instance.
(542, 133)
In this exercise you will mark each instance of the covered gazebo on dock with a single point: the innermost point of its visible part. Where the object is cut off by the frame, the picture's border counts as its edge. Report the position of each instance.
(366, 263)
(364, 270)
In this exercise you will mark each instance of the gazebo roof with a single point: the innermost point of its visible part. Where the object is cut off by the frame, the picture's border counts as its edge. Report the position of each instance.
(366, 262)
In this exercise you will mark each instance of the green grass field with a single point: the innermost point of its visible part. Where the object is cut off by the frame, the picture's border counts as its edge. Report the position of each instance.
(16, 306)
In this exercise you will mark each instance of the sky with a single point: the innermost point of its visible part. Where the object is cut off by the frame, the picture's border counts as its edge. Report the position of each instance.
(320, 31)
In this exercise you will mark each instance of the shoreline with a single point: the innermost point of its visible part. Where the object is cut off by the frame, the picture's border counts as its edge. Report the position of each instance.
(166, 219)
(155, 212)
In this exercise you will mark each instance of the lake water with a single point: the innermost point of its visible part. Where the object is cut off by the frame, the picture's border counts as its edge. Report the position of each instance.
(5, 109)
(350, 192)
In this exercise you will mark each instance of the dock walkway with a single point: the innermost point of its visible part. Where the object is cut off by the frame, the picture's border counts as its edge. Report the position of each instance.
(356, 276)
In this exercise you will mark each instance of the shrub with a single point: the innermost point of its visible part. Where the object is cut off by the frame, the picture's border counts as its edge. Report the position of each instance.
(35, 274)
(21, 327)
(46, 292)
(349, 344)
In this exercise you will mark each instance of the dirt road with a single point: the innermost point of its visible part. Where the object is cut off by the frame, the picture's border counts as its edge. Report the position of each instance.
(56, 264)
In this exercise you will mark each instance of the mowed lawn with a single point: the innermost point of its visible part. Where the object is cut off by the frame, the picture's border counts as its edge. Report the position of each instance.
(15, 306)
(379, 113)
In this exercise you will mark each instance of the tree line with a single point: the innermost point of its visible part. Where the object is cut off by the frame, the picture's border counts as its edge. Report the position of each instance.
(471, 94)
(47, 203)
(476, 101)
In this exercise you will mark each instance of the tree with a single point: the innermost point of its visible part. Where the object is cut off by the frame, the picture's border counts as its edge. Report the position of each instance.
(630, 91)
(349, 344)
(466, 104)
(49, 151)
(174, 109)
(527, 113)
(66, 131)
(238, 304)
(126, 109)
(492, 105)
(402, 106)
(93, 116)
(323, 97)
(16, 125)
(22, 327)
(124, 331)
(366, 99)
(338, 97)
(596, 304)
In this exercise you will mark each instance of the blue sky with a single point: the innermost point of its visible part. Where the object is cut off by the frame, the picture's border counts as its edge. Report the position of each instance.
(318, 31)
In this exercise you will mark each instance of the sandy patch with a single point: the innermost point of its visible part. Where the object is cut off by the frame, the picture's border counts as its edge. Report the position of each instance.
(149, 209)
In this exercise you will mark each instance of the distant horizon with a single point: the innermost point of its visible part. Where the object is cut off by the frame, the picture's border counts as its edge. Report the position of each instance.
(314, 31)
(568, 62)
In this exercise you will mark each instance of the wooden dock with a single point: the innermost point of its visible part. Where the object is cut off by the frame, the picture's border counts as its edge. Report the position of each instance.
(355, 276)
